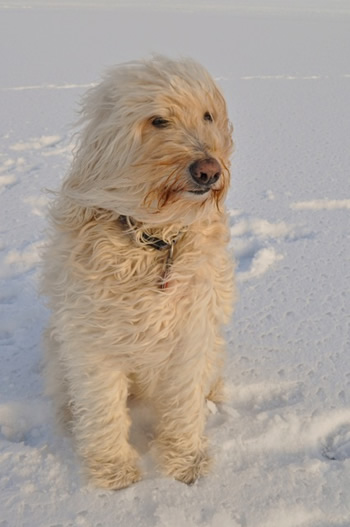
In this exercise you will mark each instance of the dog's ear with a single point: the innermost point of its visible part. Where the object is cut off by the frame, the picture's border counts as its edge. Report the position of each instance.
(96, 101)
(108, 137)
(109, 123)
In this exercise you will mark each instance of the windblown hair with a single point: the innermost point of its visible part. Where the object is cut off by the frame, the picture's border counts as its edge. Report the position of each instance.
(114, 331)
(124, 164)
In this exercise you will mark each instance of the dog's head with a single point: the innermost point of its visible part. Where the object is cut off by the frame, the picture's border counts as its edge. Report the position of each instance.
(156, 143)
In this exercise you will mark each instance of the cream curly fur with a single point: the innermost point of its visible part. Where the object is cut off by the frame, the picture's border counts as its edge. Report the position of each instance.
(114, 332)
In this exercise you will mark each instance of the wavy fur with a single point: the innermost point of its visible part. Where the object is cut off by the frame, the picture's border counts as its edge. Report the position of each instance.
(113, 331)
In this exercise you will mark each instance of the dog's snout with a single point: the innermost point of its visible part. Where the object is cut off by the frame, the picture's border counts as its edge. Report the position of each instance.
(205, 172)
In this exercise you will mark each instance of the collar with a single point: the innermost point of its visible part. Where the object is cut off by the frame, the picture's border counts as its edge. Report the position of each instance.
(147, 239)
(156, 243)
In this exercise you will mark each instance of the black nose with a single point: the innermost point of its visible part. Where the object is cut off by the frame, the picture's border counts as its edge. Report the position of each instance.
(205, 172)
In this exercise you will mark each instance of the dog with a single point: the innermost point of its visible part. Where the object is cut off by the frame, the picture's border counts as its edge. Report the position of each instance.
(137, 270)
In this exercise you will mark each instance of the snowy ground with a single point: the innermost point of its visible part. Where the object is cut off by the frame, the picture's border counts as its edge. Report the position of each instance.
(282, 444)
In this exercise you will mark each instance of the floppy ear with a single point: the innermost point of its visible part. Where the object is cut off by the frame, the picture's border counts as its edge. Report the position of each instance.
(102, 146)
(110, 133)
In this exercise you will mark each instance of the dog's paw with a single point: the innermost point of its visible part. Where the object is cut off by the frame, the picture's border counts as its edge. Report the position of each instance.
(200, 466)
(218, 392)
(187, 467)
(114, 476)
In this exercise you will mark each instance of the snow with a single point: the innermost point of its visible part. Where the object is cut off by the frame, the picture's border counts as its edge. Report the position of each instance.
(322, 204)
(282, 441)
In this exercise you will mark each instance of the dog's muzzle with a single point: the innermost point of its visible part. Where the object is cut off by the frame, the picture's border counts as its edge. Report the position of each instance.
(204, 173)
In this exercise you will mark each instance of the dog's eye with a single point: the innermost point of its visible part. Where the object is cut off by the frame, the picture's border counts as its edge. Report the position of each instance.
(208, 117)
(159, 122)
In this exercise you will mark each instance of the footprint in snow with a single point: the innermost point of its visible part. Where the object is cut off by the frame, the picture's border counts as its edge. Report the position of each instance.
(37, 143)
(19, 261)
(6, 300)
(336, 446)
(6, 337)
(46, 145)
(38, 204)
(7, 181)
(255, 242)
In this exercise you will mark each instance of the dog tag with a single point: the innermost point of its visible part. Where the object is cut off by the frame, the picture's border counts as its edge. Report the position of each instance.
(168, 264)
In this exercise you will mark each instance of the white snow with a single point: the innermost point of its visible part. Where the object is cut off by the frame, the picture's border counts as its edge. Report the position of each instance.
(282, 441)
(36, 143)
(7, 180)
(322, 204)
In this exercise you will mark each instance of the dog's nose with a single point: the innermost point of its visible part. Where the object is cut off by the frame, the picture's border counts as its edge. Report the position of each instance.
(205, 172)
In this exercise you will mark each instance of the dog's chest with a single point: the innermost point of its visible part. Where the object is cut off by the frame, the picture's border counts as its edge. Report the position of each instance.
(117, 288)
(192, 275)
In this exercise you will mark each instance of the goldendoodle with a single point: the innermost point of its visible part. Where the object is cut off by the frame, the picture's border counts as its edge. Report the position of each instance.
(137, 271)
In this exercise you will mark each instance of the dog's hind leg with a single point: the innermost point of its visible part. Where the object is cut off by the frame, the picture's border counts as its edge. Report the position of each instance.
(101, 423)
(55, 383)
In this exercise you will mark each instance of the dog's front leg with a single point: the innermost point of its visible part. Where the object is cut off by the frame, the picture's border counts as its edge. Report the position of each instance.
(101, 425)
(180, 441)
